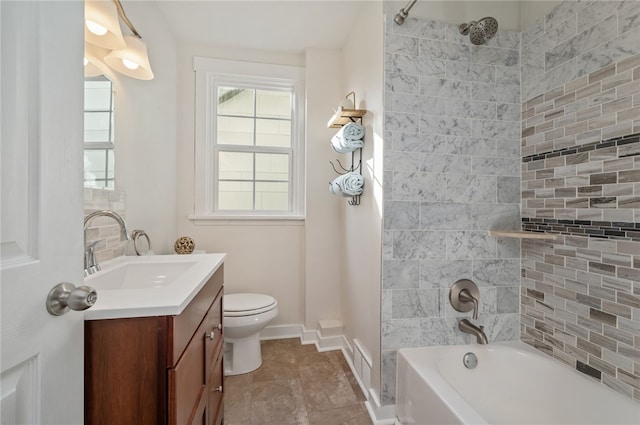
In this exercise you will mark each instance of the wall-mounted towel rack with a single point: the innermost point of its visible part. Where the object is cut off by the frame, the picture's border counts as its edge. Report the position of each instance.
(342, 117)
(345, 116)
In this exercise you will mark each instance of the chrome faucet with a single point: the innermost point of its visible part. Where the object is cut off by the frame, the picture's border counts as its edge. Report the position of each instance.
(464, 296)
(478, 331)
(90, 264)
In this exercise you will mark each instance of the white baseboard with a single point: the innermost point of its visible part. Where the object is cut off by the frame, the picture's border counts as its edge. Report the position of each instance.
(281, 332)
(380, 415)
(306, 336)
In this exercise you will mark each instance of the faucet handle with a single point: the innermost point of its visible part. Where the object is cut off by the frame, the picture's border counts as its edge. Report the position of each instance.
(90, 265)
(464, 296)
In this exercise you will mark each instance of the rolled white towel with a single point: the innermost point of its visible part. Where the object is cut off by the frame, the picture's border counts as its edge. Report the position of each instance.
(348, 138)
(334, 187)
(352, 184)
(349, 184)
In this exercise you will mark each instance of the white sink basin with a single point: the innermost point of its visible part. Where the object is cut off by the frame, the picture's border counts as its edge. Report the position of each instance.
(140, 275)
(155, 285)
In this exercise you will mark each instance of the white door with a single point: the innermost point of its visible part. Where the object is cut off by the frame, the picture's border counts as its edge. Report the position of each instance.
(41, 227)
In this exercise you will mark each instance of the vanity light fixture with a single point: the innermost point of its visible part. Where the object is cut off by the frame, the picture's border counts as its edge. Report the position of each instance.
(129, 57)
(133, 60)
(101, 24)
(90, 70)
(94, 60)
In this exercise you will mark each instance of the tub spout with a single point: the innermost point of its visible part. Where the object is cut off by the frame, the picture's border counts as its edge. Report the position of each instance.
(478, 331)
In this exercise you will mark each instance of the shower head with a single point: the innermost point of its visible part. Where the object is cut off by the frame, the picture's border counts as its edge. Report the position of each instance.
(481, 31)
(400, 17)
(404, 12)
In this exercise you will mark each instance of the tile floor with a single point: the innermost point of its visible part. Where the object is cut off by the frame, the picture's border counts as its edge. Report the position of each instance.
(295, 385)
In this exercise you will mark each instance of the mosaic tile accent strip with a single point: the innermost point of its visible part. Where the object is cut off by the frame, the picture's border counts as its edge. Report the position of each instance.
(620, 141)
(593, 182)
(593, 229)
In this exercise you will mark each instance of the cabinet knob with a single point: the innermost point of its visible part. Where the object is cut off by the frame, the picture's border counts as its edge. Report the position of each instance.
(217, 389)
(212, 334)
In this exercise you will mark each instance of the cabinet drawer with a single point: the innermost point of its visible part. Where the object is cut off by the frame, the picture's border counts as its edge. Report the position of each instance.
(216, 390)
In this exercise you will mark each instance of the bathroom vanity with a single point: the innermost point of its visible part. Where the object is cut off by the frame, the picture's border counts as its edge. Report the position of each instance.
(163, 366)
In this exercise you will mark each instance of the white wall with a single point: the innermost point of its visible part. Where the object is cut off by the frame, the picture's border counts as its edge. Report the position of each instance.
(155, 163)
(265, 257)
(362, 225)
(145, 133)
(327, 267)
(323, 253)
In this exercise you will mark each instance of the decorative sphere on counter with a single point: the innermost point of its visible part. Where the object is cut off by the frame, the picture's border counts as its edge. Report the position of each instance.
(184, 245)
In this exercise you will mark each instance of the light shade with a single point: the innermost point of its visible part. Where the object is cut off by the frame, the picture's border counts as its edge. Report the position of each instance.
(94, 60)
(102, 27)
(133, 60)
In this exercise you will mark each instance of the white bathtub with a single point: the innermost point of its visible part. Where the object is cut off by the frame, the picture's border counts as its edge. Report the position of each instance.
(512, 384)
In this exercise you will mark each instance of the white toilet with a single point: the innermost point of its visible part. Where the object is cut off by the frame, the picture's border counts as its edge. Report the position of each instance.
(245, 315)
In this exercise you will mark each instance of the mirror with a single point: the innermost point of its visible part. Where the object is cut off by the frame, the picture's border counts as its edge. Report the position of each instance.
(99, 144)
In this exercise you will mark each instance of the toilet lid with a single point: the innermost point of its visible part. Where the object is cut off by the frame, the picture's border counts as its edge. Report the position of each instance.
(247, 304)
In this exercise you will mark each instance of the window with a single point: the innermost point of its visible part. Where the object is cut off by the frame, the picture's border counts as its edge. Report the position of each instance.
(98, 133)
(249, 140)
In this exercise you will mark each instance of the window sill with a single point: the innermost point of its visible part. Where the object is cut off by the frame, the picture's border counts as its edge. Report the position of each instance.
(251, 220)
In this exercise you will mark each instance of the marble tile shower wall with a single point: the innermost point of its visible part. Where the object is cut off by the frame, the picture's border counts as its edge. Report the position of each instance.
(575, 39)
(580, 295)
(102, 229)
(451, 172)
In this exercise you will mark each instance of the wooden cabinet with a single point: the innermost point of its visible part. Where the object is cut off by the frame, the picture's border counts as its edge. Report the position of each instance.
(161, 370)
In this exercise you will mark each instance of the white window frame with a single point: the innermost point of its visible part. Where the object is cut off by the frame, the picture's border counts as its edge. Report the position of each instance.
(210, 74)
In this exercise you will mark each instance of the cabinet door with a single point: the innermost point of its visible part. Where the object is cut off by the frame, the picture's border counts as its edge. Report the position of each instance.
(200, 413)
(187, 380)
(215, 337)
(215, 387)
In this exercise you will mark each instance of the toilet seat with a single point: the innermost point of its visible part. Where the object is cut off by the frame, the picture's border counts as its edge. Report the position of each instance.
(238, 305)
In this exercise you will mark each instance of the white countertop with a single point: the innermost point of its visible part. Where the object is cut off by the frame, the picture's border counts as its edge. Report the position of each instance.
(170, 299)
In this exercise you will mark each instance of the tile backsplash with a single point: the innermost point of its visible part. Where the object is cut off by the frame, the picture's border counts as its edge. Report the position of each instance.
(103, 229)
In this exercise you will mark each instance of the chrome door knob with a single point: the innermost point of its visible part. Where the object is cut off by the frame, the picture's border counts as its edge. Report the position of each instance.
(66, 296)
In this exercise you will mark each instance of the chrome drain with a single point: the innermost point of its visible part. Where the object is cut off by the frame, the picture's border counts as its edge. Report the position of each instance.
(470, 360)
